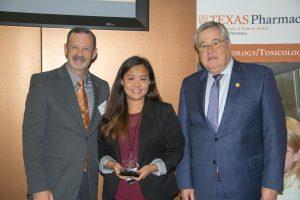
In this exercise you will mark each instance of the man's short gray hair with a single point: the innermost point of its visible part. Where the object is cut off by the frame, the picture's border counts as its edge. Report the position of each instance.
(207, 25)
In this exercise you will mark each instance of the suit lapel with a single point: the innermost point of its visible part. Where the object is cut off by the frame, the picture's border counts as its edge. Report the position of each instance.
(235, 84)
(116, 148)
(200, 88)
(95, 115)
(70, 95)
(145, 128)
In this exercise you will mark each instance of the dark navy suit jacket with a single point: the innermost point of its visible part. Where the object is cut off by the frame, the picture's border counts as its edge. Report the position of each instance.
(250, 145)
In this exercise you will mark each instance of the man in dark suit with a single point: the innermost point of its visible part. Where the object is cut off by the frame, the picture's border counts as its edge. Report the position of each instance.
(62, 113)
(234, 126)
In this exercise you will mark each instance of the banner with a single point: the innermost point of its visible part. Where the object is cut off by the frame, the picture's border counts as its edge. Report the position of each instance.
(260, 31)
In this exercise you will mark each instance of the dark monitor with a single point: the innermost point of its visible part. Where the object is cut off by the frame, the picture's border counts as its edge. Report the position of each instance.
(95, 14)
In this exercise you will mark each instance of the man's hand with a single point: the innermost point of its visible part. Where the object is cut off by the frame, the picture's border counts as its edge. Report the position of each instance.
(187, 194)
(268, 194)
(44, 195)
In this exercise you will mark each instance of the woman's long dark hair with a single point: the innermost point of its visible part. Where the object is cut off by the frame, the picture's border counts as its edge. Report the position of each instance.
(114, 121)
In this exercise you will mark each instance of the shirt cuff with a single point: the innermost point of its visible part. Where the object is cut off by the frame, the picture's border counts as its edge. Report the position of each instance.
(103, 162)
(162, 170)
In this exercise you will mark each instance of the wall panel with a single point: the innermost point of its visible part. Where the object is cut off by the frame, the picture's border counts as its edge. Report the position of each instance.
(20, 57)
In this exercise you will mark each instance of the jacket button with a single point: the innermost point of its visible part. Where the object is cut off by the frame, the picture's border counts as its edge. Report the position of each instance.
(214, 162)
(216, 139)
(86, 137)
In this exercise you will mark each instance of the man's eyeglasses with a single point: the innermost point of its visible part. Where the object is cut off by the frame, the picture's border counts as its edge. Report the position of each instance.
(214, 44)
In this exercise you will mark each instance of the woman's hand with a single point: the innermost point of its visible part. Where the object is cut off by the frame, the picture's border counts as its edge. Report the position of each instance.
(145, 171)
(116, 167)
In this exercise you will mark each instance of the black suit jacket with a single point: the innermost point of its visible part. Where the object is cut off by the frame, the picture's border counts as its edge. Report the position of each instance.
(160, 137)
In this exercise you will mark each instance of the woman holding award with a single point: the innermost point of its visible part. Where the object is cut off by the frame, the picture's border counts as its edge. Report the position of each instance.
(141, 141)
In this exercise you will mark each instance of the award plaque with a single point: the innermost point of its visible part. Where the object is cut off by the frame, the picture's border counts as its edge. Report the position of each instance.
(130, 168)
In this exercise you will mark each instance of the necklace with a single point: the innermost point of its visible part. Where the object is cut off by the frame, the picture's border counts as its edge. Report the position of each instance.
(131, 143)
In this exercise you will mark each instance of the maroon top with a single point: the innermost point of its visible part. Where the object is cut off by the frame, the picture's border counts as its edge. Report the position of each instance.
(127, 191)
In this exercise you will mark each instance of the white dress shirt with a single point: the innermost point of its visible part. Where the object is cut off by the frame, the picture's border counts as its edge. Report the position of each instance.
(223, 91)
